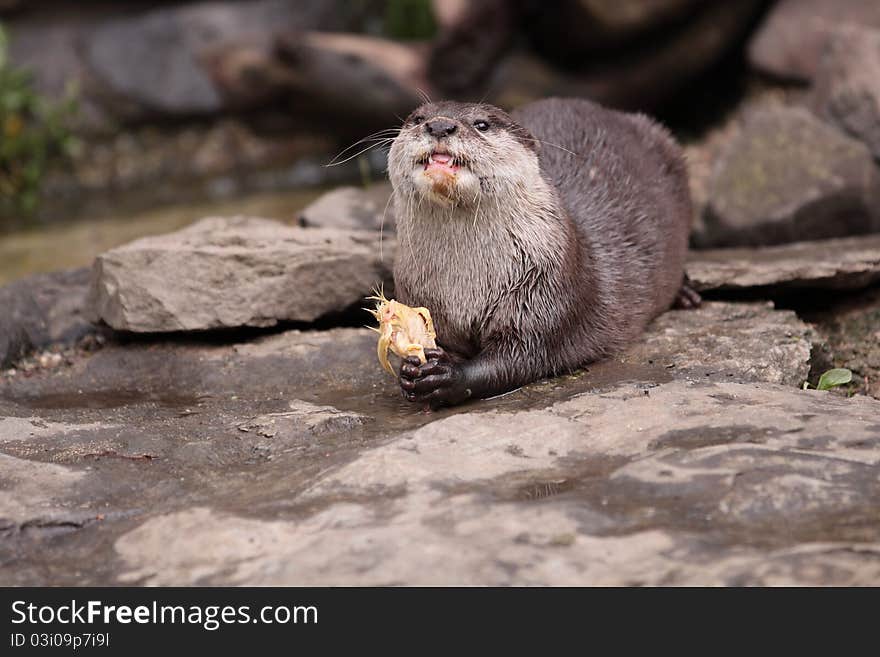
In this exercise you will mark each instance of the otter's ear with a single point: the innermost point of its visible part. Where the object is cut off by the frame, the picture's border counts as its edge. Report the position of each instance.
(527, 139)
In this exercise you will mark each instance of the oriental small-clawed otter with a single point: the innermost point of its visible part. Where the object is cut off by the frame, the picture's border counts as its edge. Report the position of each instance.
(540, 240)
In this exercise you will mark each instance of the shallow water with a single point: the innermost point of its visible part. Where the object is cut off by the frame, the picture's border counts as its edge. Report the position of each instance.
(75, 244)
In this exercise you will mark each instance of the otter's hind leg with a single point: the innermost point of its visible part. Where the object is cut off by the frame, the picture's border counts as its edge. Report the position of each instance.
(687, 298)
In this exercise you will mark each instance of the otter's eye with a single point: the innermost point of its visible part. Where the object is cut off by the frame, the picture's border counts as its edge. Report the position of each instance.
(418, 119)
(481, 125)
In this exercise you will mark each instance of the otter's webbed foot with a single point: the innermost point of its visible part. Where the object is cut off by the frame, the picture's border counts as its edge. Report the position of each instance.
(438, 382)
(687, 297)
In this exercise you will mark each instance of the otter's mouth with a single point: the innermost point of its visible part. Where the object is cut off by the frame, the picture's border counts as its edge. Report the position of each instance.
(441, 162)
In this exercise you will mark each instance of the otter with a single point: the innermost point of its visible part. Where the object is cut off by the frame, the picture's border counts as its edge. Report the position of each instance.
(540, 240)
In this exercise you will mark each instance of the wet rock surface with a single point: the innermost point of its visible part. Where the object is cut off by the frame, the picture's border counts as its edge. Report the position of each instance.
(42, 310)
(290, 458)
(233, 272)
(787, 176)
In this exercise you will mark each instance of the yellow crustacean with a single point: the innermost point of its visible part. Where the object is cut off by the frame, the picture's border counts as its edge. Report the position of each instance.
(404, 330)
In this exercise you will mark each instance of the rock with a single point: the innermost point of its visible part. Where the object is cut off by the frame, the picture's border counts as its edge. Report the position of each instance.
(42, 310)
(628, 472)
(135, 64)
(303, 419)
(703, 152)
(790, 42)
(231, 272)
(789, 177)
(729, 341)
(836, 264)
(352, 208)
(847, 85)
(33, 495)
(151, 64)
(609, 489)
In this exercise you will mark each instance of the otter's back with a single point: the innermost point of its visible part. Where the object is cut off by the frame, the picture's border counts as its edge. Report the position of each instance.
(623, 181)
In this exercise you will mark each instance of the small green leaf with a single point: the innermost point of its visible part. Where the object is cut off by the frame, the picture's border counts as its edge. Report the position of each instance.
(832, 378)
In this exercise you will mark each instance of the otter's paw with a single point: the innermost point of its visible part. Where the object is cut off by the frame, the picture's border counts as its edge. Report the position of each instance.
(436, 382)
(687, 298)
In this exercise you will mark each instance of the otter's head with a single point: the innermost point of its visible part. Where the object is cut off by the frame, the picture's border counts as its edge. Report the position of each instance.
(453, 153)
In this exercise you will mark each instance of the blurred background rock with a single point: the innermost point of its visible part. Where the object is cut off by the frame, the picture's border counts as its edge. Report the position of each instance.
(128, 118)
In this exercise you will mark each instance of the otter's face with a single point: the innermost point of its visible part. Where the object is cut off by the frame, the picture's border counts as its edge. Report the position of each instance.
(452, 153)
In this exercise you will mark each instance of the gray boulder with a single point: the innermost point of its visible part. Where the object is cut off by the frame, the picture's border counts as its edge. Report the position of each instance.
(846, 90)
(232, 272)
(148, 63)
(789, 177)
(351, 208)
(790, 42)
(156, 63)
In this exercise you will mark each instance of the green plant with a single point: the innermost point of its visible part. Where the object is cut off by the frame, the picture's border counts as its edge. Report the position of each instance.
(832, 378)
(409, 19)
(33, 130)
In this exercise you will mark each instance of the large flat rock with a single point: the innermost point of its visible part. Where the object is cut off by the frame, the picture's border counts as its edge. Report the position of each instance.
(836, 264)
(728, 341)
(292, 459)
(612, 489)
(232, 272)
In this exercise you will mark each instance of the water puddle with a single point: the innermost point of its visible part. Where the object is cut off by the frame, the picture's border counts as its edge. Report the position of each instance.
(76, 243)
(103, 399)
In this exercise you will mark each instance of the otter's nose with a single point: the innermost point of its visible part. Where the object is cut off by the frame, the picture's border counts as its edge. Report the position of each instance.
(439, 128)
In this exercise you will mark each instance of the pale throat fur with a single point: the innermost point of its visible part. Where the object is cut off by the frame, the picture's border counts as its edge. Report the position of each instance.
(488, 240)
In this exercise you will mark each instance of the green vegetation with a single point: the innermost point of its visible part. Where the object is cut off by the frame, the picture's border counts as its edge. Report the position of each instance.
(409, 19)
(33, 130)
(832, 378)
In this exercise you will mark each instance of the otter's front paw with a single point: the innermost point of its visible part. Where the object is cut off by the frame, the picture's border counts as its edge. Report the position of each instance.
(438, 382)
